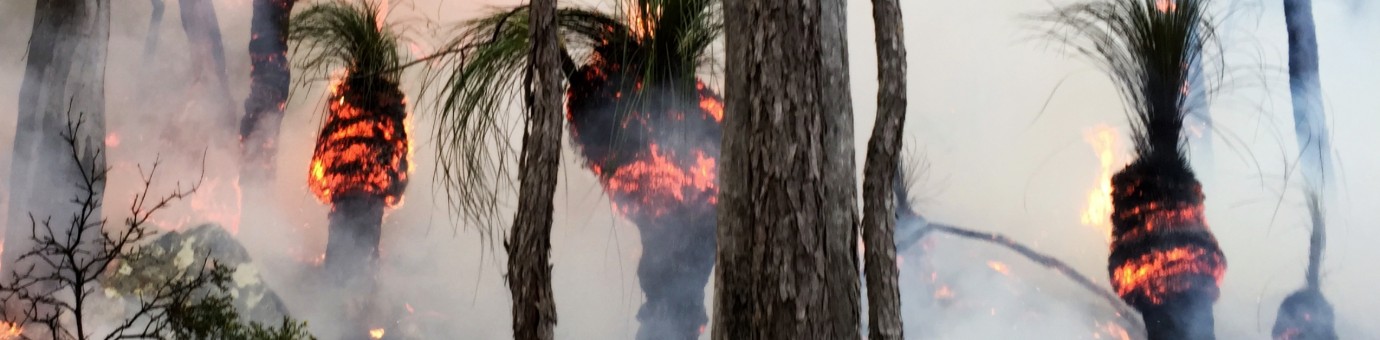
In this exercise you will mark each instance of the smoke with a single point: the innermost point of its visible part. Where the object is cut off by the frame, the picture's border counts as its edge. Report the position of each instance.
(978, 78)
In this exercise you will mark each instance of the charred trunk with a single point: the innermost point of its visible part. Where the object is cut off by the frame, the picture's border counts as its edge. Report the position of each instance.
(64, 78)
(352, 247)
(529, 244)
(270, 78)
(1306, 314)
(787, 253)
(654, 146)
(677, 256)
(1164, 260)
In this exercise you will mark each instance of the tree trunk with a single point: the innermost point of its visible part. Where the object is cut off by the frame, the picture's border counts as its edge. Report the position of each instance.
(879, 217)
(787, 254)
(1310, 121)
(268, 90)
(202, 27)
(529, 245)
(64, 77)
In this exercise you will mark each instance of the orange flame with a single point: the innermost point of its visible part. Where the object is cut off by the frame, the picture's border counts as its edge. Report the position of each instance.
(376, 333)
(943, 293)
(999, 267)
(714, 106)
(1162, 272)
(1105, 144)
(658, 180)
(10, 330)
(359, 152)
(1112, 331)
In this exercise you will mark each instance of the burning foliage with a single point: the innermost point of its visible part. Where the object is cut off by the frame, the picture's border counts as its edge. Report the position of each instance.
(363, 147)
(654, 150)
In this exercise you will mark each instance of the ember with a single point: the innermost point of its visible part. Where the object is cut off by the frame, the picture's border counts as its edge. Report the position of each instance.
(360, 167)
(655, 153)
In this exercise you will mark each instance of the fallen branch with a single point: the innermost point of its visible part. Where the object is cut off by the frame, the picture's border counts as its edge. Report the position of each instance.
(1123, 310)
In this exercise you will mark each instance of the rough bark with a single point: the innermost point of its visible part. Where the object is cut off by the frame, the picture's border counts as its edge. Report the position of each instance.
(787, 260)
(879, 175)
(64, 77)
(529, 245)
(270, 78)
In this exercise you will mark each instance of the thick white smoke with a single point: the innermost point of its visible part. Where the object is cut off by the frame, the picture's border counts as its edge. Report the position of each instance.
(979, 76)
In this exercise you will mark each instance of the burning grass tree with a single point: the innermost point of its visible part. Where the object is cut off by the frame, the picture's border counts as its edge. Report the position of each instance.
(1164, 260)
(644, 123)
(361, 159)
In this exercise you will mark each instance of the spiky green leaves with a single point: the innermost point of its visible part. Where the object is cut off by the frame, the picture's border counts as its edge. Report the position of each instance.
(350, 34)
(1149, 48)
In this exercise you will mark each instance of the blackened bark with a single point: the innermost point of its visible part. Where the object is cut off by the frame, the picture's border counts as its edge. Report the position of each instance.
(787, 260)
(879, 178)
(64, 77)
(155, 31)
(1309, 118)
(352, 247)
(202, 27)
(270, 78)
(529, 245)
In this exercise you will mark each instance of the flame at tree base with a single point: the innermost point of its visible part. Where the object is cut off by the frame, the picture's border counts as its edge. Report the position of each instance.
(1164, 260)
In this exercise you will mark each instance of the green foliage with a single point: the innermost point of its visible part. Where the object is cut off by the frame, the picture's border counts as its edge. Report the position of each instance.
(1149, 48)
(192, 304)
(341, 33)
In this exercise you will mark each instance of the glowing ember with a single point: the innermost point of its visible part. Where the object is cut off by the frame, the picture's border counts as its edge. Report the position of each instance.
(654, 182)
(1111, 330)
(10, 331)
(112, 140)
(1161, 273)
(999, 267)
(361, 150)
(710, 104)
(1103, 140)
(376, 333)
(943, 293)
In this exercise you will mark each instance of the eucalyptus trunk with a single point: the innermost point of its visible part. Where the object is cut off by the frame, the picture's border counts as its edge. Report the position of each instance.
(787, 253)
(529, 245)
(64, 78)
(879, 175)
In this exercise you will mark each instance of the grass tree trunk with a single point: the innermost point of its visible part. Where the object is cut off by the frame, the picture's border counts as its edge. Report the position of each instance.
(529, 245)
(787, 252)
(270, 78)
(879, 178)
(1309, 118)
(1306, 314)
(64, 77)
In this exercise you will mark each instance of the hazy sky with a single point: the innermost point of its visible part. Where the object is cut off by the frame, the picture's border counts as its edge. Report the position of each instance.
(980, 74)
